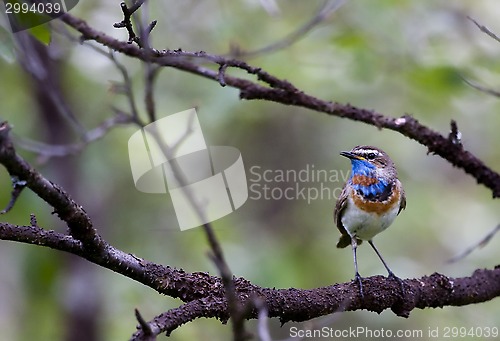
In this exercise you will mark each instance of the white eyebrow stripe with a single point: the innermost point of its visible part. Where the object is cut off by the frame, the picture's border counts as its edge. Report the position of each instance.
(368, 151)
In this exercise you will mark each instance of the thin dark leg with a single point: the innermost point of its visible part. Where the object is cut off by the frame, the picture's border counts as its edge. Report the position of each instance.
(357, 277)
(391, 274)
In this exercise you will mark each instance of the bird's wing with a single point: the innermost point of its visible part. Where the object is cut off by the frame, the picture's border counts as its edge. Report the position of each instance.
(402, 204)
(340, 206)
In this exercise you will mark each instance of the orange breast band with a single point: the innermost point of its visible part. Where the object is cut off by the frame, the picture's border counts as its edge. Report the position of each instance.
(363, 180)
(377, 207)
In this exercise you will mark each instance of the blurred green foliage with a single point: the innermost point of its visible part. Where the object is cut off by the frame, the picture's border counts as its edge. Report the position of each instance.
(395, 57)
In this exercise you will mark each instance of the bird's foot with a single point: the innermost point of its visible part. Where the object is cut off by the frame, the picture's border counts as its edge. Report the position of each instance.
(359, 279)
(399, 280)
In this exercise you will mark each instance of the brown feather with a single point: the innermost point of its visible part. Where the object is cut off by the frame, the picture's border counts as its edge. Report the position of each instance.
(345, 238)
(402, 204)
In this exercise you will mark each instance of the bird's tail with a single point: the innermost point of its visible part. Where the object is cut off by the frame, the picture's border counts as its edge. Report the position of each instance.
(345, 240)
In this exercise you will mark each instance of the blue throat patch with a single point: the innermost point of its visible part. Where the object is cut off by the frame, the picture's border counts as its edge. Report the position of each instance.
(379, 190)
(360, 167)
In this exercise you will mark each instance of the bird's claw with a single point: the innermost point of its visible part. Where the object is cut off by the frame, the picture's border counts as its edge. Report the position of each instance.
(399, 280)
(359, 279)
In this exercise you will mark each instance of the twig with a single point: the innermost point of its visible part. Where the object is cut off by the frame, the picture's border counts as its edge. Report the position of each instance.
(127, 84)
(480, 244)
(328, 8)
(47, 151)
(150, 74)
(148, 334)
(17, 188)
(220, 76)
(151, 26)
(150, 71)
(482, 88)
(485, 29)
(176, 317)
(127, 23)
(262, 325)
(234, 305)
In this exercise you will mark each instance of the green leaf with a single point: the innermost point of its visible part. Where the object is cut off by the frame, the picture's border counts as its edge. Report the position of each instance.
(41, 33)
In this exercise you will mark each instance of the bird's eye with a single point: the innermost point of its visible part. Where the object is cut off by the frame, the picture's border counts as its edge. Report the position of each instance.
(370, 156)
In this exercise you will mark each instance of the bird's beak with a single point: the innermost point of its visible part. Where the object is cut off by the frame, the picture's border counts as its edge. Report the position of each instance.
(351, 156)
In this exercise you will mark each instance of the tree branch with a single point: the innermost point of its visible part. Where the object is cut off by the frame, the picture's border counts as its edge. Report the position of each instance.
(208, 296)
(300, 305)
(281, 91)
(78, 222)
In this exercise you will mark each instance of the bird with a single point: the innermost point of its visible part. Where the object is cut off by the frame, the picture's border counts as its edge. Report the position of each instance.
(371, 199)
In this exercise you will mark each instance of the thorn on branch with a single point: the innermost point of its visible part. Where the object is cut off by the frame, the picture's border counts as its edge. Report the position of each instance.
(146, 328)
(455, 135)
(151, 26)
(144, 36)
(17, 187)
(33, 221)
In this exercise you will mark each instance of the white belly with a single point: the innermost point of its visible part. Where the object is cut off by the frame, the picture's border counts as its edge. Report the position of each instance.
(365, 225)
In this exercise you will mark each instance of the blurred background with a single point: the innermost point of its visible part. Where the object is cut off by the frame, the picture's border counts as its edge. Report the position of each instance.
(395, 57)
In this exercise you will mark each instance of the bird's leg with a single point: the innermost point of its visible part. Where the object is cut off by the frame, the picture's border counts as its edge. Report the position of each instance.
(357, 277)
(391, 274)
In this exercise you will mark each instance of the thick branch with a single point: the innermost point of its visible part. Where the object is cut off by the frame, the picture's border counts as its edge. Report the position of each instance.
(209, 298)
(166, 280)
(301, 305)
(281, 91)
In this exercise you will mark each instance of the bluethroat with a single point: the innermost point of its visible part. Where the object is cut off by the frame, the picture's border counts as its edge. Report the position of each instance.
(370, 201)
